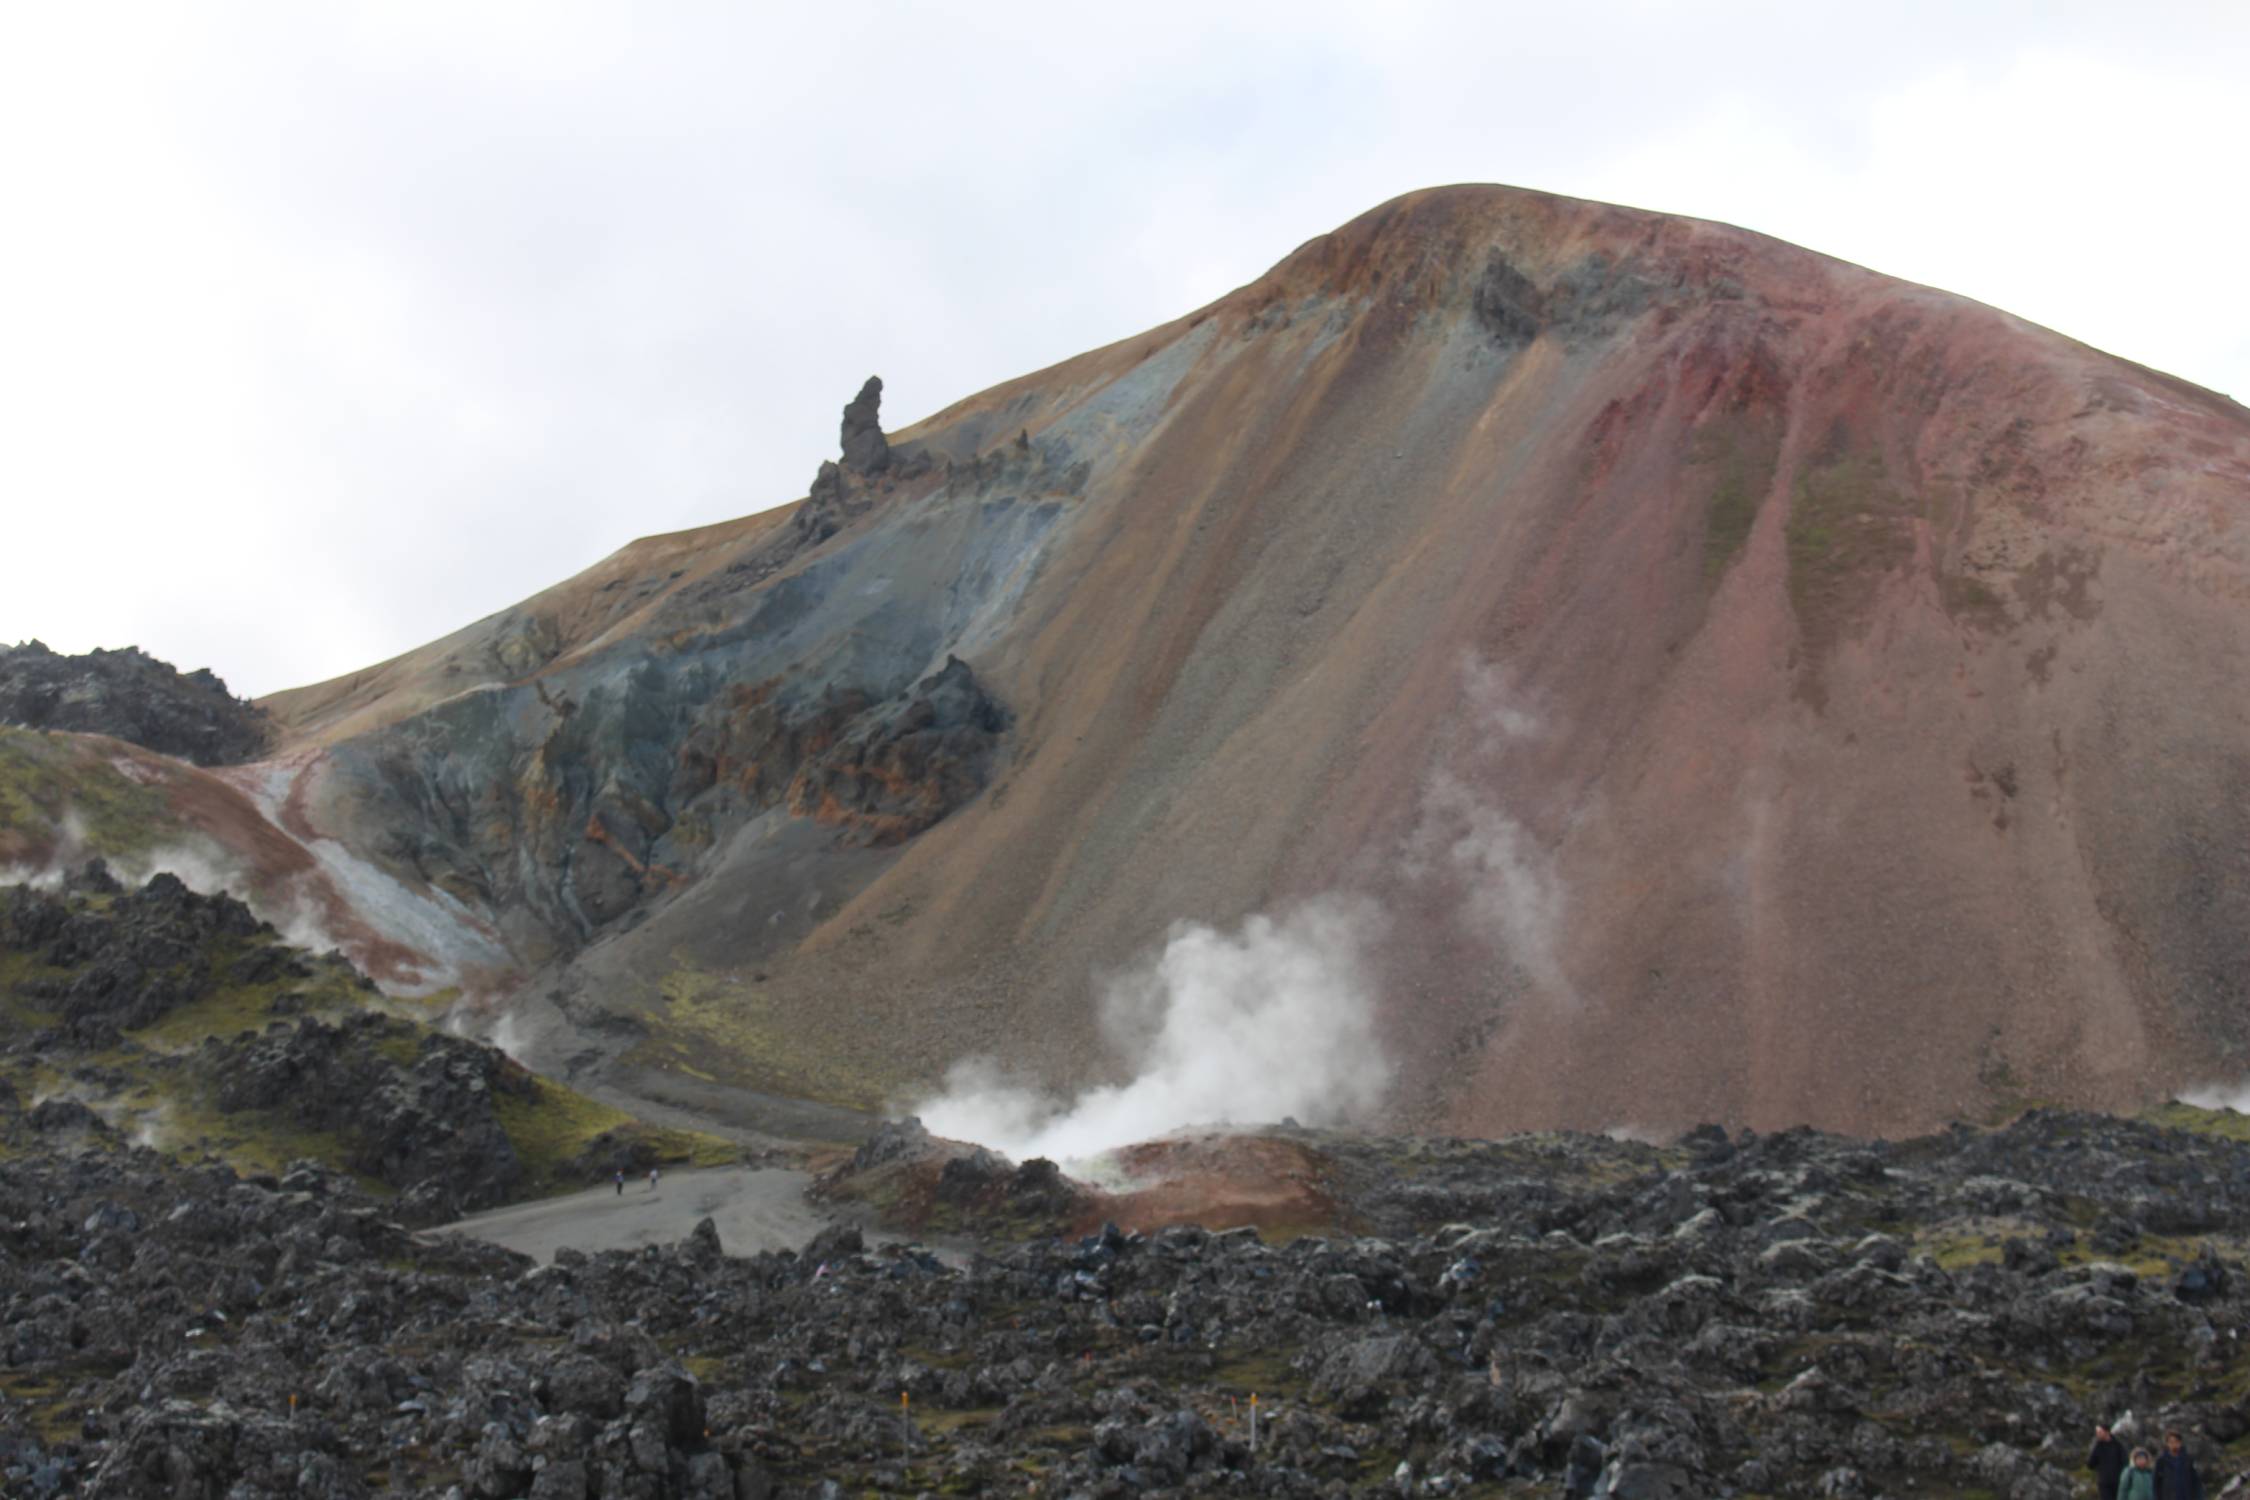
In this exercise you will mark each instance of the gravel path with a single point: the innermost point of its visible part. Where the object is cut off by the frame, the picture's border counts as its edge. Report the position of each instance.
(755, 1209)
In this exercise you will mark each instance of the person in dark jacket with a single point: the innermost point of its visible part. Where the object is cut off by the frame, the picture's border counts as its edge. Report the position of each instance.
(2176, 1478)
(2107, 1460)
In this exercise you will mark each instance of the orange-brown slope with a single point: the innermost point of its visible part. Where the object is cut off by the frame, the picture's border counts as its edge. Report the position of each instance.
(1755, 688)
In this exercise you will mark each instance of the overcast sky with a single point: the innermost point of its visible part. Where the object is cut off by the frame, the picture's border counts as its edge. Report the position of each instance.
(325, 330)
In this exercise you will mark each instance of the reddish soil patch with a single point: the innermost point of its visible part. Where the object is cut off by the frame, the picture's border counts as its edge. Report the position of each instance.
(1221, 1182)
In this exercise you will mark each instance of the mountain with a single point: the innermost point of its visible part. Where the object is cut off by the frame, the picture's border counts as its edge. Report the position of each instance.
(1674, 675)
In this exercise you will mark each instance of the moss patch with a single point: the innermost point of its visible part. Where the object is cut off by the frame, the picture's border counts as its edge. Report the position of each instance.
(45, 779)
(553, 1126)
(1742, 460)
(718, 1031)
(230, 1009)
(44, 1395)
(154, 1089)
(1848, 528)
(17, 1008)
(2229, 1124)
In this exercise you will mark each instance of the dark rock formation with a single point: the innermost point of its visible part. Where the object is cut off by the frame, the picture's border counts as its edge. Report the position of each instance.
(829, 505)
(899, 767)
(290, 1050)
(1802, 1315)
(866, 450)
(641, 775)
(839, 493)
(138, 955)
(428, 1126)
(1506, 302)
(132, 696)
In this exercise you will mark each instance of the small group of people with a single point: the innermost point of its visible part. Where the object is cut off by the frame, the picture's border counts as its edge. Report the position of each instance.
(2142, 1475)
(653, 1174)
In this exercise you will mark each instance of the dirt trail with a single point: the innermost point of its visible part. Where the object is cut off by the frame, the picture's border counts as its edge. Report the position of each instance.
(755, 1209)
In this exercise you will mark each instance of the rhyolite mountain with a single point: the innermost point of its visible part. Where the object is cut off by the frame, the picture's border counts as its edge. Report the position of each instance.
(1743, 686)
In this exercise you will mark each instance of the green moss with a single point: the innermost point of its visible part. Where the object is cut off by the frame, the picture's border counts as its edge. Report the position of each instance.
(722, 1031)
(706, 1368)
(18, 1009)
(2227, 1123)
(940, 1423)
(1958, 1252)
(45, 779)
(1848, 528)
(230, 1009)
(1844, 525)
(45, 1396)
(1742, 461)
(1262, 1374)
(551, 1126)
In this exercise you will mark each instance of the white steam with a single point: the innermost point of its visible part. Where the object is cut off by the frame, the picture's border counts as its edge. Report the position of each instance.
(467, 1019)
(1278, 1019)
(2220, 1096)
(1470, 851)
(1222, 1029)
(1509, 893)
(70, 852)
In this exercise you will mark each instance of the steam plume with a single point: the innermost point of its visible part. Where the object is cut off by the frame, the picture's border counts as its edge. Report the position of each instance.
(1274, 1020)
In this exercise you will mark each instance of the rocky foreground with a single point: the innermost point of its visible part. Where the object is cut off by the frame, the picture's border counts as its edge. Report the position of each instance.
(1790, 1314)
(178, 1019)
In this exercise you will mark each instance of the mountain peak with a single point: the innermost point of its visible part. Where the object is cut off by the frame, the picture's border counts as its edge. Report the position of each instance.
(1597, 667)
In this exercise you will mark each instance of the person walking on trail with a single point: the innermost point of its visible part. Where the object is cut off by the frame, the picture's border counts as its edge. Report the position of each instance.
(652, 1179)
(2176, 1478)
(620, 1182)
(2107, 1460)
(2139, 1481)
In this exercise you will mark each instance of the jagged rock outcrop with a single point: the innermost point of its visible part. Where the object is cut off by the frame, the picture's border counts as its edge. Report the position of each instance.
(257, 1041)
(130, 695)
(426, 1123)
(843, 492)
(625, 789)
(866, 450)
(894, 769)
(141, 953)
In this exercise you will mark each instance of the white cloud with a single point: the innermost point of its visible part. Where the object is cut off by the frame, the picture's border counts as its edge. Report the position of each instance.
(323, 330)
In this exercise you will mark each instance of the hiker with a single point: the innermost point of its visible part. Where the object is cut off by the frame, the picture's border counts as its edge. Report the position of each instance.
(2107, 1460)
(620, 1182)
(2176, 1478)
(2139, 1481)
(652, 1179)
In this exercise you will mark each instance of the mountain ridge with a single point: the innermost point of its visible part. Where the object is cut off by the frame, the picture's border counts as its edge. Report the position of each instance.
(1730, 671)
